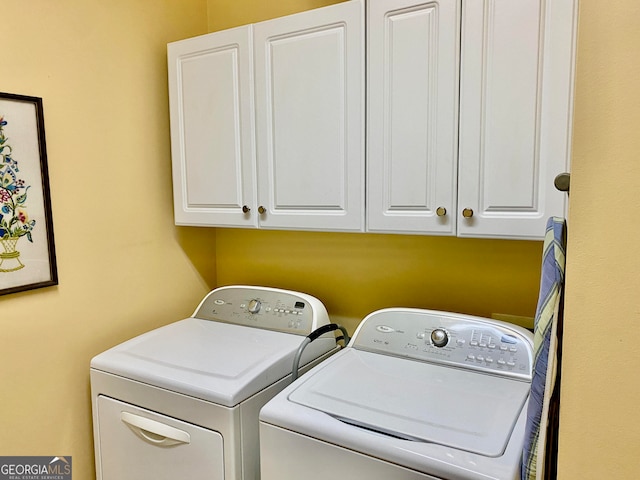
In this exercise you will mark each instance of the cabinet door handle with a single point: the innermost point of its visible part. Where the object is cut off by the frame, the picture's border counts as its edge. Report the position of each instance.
(261, 210)
(441, 211)
(245, 209)
(154, 432)
(467, 213)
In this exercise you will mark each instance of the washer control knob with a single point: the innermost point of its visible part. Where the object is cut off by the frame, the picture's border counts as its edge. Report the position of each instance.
(254, 306)
(439, 337)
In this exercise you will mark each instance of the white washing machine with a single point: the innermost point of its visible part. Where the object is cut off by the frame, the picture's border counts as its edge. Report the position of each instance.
(417, 394)
(182, 401)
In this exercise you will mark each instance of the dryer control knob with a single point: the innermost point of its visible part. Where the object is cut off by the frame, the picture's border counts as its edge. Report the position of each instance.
(254, 306)
(439, 337)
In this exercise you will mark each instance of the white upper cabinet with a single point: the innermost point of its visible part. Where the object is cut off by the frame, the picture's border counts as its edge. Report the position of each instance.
(305, 93)
(468, 119)
(309, 72)
(507, 136)
(212, 129)
(516, 92)
(412, 94)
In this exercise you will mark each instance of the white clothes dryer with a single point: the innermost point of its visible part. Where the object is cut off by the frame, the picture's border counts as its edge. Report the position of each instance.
(417, 394)
(182, 401)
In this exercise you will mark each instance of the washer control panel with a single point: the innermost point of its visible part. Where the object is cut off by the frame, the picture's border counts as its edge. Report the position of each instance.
(266, 308)
(457, 340)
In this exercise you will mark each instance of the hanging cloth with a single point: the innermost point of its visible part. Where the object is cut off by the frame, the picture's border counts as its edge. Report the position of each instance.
(542, 409)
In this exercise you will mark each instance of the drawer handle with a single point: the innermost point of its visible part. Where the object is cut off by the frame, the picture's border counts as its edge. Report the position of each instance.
(441, 211)
(467, 213)
(245, 209)
(154, 432)
(262, 210)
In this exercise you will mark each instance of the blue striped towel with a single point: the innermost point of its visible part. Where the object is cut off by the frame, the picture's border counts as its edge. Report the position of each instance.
(545, 344)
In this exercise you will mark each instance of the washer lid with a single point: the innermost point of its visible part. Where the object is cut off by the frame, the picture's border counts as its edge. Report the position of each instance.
(214, 361)
(420, 401)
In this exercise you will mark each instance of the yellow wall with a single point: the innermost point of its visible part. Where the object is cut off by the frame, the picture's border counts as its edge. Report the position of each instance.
(229, 13)
(599, 430)
(355, 274)
(124, 268)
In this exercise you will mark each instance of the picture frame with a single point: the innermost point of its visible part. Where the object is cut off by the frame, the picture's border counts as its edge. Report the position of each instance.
(27, 249)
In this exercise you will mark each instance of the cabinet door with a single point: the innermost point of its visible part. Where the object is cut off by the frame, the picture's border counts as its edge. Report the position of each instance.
(212, 129)
(515, 114)
(309, 70)
(412, 92)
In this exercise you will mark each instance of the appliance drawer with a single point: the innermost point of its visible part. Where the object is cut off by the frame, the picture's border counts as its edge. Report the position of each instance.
(139, 444)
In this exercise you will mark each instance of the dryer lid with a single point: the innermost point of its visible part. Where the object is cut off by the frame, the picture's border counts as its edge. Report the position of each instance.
(459, 408)
(213, 361)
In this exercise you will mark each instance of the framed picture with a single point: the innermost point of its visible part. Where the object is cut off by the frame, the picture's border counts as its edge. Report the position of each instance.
(27, 252)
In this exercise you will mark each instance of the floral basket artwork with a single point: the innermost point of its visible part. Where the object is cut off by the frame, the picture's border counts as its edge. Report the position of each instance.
(27, 258)
(14, 219)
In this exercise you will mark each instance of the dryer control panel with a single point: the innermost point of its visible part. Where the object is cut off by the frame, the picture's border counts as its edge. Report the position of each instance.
(263, 307)
(456, 340)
